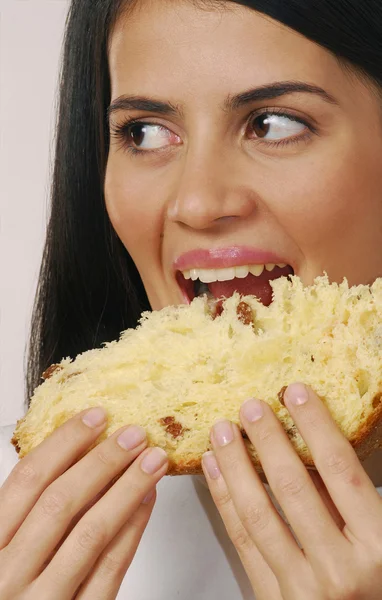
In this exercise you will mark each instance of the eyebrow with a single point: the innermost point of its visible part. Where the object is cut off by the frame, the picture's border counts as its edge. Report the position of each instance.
(275, 90)
(144, 104)
(232, 103)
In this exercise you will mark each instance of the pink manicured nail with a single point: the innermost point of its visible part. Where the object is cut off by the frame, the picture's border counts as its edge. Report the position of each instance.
(94, 417)
(223, 432)
(132, 437)
(211, 465)
(296, 394)
(153, 461)
(252, 410)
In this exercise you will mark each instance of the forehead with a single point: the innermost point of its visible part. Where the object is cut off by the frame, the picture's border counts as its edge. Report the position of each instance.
(170, 46)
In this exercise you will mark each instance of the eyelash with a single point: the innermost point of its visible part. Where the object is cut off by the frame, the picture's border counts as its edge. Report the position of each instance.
(121, 131)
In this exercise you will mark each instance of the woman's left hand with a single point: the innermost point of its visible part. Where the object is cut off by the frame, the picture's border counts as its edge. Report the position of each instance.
(339, 530)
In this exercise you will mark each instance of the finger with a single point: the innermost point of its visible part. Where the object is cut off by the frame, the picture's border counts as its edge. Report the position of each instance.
(107, 575)
(348, 484)
(78, 517)
(290, 483)
(263, 580)
(77, 556)
(252, 503)
(33, 473)
(49, 519)
(321, 488)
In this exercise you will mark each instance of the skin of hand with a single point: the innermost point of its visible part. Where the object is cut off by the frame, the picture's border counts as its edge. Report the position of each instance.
(335, 514)
(68, 528)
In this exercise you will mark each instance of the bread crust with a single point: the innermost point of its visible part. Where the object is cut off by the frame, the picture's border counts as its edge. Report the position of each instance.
(368, 439)
(369, 436)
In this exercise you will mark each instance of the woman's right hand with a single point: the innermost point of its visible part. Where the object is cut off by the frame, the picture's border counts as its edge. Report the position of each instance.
(66, 530)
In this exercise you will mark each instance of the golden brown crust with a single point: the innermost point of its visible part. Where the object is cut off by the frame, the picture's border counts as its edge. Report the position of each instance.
(15, 438)
(194, 467)
(369, 437)
(281, 393)
(15, 442)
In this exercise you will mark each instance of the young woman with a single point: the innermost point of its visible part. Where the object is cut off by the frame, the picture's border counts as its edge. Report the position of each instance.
(202, 135)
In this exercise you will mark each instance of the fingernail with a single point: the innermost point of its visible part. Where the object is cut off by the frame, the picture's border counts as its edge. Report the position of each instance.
(132, 437)
(296, 394)
(252, 410)
(211, 465)
(94, 417)
(223, 432)
(153, 461)
(149, 497)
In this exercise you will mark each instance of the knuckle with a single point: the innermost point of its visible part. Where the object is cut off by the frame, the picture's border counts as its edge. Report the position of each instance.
(231, 460)
(55, 503)
(24, 473)
(105, 456)
(240, 538)
(265, 434)
(134, 487)
(315, 421)
(91, 536)
(134, 523)
(255, 517)
(223, 500)
(290, 484)
(340, 584)
(111, 567)
(337, 463)
(342, 591)
(71, 432)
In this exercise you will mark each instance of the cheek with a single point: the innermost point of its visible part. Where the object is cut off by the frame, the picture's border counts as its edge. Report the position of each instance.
(334, 199)
(133, 211)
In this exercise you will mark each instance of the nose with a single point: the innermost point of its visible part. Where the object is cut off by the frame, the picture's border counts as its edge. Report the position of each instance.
(208, 191)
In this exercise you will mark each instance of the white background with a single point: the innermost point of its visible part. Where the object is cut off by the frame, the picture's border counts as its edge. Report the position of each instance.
(30, 44)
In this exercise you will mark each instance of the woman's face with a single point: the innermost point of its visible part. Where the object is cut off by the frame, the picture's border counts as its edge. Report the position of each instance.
(229, 166)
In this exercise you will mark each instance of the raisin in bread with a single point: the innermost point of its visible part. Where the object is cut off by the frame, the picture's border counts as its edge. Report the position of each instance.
(185, 367)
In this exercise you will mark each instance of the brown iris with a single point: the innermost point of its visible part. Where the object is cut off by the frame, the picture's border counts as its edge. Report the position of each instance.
(261, 125)
(137, 134)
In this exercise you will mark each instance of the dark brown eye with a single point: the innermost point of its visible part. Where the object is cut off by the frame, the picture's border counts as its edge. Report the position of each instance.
(274, 126)
(261, 125)
(149, 136)
(137, 133)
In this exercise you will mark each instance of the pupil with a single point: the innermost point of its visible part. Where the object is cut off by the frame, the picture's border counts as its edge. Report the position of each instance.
(137, 133)
(261, 125)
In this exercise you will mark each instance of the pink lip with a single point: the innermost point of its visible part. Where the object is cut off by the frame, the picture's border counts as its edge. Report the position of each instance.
(220, 258)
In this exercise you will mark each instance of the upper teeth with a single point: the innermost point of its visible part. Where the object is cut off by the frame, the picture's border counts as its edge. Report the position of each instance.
(210, 275)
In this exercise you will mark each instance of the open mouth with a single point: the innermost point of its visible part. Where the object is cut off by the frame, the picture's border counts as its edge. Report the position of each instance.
(247, 280)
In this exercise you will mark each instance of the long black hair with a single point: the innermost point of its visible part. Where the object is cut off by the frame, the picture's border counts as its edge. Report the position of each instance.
(89, 289)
